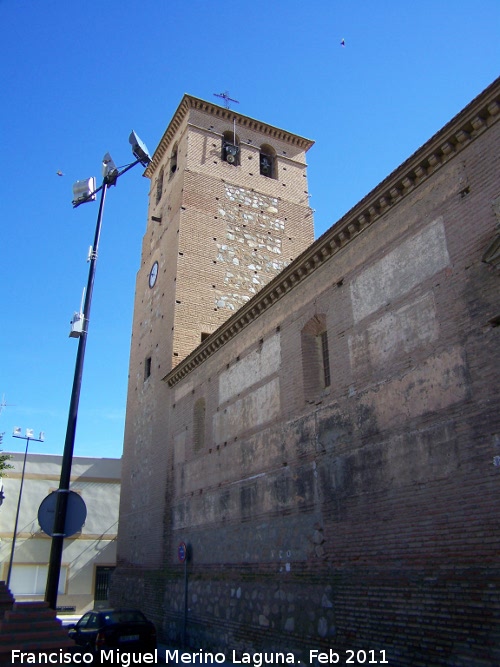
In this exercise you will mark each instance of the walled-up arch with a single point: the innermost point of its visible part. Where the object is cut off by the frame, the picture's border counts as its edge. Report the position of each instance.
(315, 357)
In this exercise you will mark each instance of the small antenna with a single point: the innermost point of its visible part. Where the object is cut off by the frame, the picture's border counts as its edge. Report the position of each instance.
(4, 405)
(225, 96)
(83, 299)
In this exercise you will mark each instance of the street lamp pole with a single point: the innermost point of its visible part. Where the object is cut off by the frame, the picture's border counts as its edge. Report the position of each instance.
(69, 443)
(29, 436)
(110, 176)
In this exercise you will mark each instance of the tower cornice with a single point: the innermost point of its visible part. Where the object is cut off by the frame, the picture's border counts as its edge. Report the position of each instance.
(454, 137)
(229, 115)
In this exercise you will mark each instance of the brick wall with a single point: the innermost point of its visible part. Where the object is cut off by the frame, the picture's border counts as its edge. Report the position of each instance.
(216, 232)
(362, 516)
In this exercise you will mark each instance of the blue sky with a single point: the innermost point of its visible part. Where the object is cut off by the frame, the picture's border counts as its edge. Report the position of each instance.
(78, 77)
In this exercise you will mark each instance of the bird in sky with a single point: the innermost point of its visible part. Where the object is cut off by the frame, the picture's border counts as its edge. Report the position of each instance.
(59, 173)
(342, 42)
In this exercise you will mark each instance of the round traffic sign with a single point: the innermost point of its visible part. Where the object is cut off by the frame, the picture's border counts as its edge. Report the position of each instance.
(182, 552)
(76, 514)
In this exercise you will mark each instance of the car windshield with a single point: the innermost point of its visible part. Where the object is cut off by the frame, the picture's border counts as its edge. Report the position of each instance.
(126, 616)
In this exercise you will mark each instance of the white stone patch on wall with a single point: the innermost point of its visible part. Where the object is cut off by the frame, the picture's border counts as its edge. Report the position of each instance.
(399, 331)
(250, 197)
(253, 410)
(400, 270)
(251, 369)
(252, 246)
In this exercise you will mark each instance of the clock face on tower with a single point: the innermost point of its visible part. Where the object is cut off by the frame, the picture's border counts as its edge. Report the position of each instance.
(153, 274)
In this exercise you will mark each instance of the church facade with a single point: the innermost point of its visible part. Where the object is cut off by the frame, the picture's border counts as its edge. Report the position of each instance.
(317, 421)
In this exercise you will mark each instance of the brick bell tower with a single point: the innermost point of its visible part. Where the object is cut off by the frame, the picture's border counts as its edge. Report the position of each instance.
(228, 210)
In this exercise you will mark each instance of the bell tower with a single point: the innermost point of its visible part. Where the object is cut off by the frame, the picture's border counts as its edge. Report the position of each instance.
(228, 210)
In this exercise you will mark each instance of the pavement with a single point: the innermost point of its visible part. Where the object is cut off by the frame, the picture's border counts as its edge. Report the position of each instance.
(68, 619)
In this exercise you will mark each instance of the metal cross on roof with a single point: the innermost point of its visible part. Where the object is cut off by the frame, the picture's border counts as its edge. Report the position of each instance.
(3, 404)
(226, 98)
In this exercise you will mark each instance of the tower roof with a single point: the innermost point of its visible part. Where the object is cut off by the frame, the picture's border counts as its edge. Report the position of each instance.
(189, 102)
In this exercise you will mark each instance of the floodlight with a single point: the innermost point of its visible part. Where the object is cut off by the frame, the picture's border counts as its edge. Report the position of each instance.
(109, 170)
(17, 432)
(84, 191)
(29, 433)
(139, 149)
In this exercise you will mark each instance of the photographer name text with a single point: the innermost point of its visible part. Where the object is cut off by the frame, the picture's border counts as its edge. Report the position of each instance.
(176, 656)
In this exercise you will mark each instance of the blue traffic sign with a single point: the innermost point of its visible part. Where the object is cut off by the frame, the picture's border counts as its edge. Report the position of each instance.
(182, 552)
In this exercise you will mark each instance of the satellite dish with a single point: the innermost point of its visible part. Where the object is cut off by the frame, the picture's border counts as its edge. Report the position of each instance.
(76, 514)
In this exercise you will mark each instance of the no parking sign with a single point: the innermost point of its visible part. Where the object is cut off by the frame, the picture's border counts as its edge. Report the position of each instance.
(182, 552)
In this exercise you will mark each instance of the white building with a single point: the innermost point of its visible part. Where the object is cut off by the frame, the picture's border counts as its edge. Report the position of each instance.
(89, 556)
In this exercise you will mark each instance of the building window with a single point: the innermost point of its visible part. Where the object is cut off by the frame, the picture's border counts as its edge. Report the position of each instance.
(159, 186)
(31, 579)
(315, 357)
(173, 161)
(147, 368)
(102, 581)
(267, 161)
(199, 424)
(231, 148)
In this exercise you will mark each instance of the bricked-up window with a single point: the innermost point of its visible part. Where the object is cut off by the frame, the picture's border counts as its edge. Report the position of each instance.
(173, 160)
(199, 424)
(231, 148)
(267, 161)
(159, 186)
(315, 357)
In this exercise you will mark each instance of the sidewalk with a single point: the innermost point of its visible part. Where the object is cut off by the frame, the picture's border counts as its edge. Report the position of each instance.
(68, 619)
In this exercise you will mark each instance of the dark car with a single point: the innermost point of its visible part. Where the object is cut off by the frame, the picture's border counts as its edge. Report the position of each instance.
(126, 629)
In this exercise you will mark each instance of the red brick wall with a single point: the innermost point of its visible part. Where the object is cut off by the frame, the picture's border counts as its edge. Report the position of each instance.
(209, 214)
(365, 517)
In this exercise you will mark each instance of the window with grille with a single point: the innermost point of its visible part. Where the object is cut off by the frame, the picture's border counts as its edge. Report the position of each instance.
(102, 581)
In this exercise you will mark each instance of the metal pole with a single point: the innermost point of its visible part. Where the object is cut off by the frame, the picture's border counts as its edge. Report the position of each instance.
(184, 625)
(17, 514)
(63, 491)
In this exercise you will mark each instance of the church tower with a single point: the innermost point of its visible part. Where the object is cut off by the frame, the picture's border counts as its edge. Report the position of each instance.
(228, 210)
